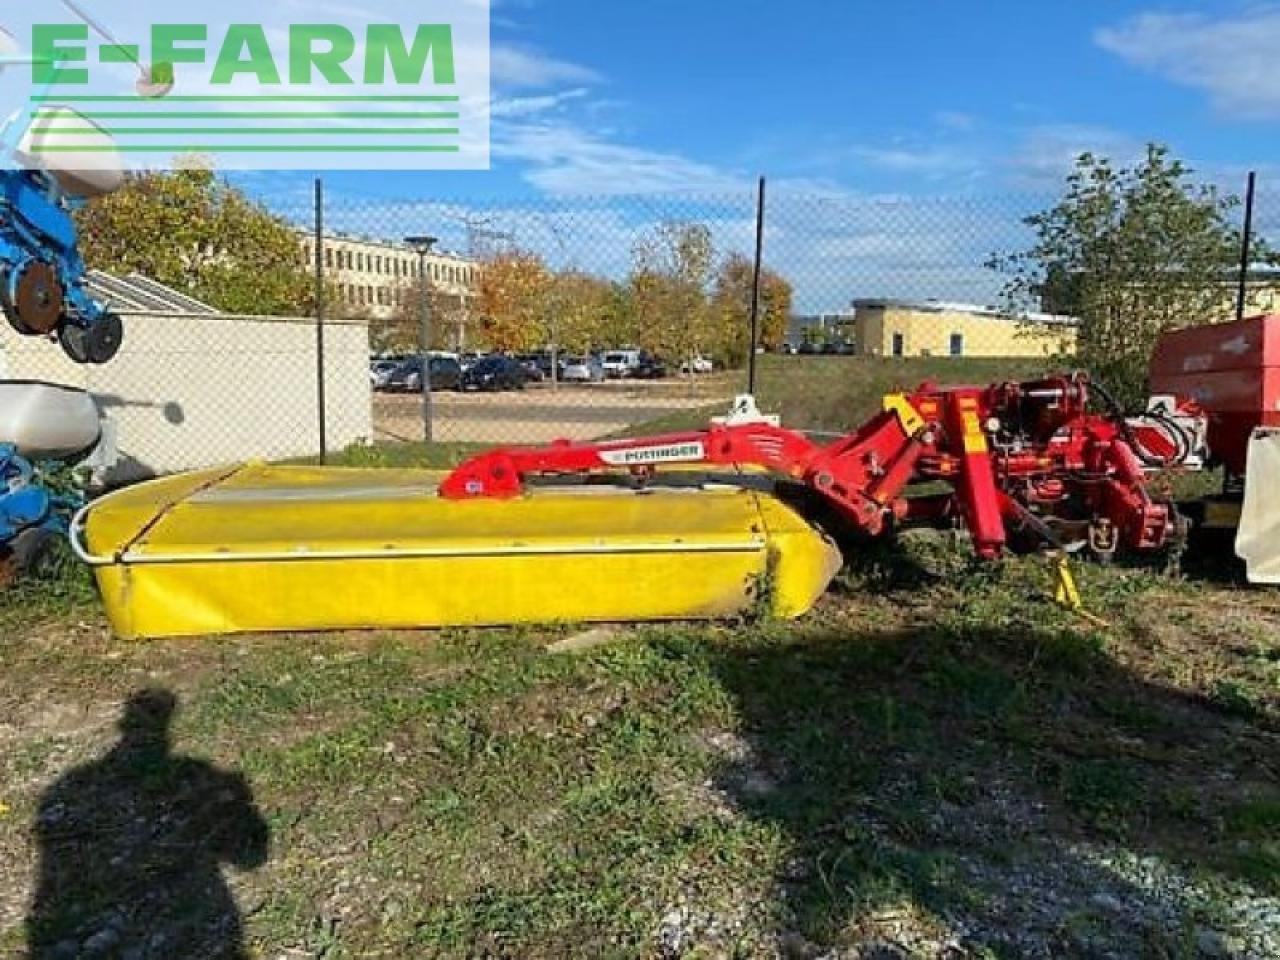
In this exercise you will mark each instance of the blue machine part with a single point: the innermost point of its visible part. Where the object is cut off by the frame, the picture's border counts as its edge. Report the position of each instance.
(24, 504)
(42, 289)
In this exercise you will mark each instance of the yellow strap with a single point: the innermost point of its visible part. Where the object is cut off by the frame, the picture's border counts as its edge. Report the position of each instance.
(1068, 593)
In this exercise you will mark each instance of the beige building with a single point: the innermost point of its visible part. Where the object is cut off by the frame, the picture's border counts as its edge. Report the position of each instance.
(905, 328)
(372, 277)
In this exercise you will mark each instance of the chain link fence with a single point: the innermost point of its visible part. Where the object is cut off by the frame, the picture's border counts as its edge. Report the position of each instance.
(589, 318)
(592, 318)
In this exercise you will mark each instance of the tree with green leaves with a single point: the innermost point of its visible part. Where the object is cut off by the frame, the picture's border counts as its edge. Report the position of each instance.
(194, 232)
(1132, 252)
(731, 305)
(669, 287)
(580, 311)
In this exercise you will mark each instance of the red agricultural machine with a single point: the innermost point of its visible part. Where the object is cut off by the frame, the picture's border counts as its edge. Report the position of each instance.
(1231, 371)
(1018, 464)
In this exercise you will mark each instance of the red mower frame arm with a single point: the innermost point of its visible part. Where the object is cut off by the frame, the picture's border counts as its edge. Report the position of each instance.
(1063, 454)
(861, 474)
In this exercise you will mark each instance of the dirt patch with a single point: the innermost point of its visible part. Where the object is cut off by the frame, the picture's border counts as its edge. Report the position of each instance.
(539, 414)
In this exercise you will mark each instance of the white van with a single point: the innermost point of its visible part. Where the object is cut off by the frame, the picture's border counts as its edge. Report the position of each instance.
(620, 363)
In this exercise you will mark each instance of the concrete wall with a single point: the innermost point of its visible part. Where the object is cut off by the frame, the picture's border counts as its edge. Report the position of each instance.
(929, 332)
(190, 392)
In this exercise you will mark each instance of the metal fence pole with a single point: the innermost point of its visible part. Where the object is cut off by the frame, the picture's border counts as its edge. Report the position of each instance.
(321, 366)
(755, 291)
(1246, 247)
(423, 247)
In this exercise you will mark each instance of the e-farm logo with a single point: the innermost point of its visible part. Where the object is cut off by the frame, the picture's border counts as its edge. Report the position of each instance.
(408, 94)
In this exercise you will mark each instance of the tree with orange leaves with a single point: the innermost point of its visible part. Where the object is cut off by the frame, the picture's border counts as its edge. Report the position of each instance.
(514, 290)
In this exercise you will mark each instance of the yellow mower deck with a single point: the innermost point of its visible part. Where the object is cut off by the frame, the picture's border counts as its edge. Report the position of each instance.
(263, 548)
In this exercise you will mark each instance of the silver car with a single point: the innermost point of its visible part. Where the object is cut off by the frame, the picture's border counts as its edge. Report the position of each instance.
(380, 373)
(582, 370)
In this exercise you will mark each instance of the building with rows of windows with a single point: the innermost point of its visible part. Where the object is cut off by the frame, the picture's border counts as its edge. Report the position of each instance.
(372, 278)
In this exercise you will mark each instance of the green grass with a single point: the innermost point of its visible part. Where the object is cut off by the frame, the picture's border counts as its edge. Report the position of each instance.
(67, 593)
(841, 393)
(434, 456)
(934, 731)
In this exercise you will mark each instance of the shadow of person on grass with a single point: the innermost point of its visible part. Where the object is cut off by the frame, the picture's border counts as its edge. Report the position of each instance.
(1018, 787)
(131, 850)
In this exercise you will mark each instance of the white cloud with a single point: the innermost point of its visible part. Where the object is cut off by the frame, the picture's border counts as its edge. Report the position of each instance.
(930, 162)
(526, 69)
(513, 107)
(1236, 60)
(567, 161)
(1048, 152)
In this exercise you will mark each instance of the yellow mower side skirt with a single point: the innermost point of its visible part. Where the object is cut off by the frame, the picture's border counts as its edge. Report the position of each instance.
(299, 549)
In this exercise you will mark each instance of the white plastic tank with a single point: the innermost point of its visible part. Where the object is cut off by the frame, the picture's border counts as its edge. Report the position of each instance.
(89, 173)
(48, 422)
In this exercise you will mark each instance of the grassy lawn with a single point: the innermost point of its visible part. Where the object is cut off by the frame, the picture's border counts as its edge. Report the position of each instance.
(938, 762)
(840, 393)
(937, 756)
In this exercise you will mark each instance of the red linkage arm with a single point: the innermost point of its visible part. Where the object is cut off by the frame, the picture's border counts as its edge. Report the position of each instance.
(863, 475)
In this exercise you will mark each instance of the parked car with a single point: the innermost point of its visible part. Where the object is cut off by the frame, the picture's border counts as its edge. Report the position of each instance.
(446, 374)
(544, 364)
(808, 349)
(649, 368)
(380, 372)
(582, 370)
(496, 373)
(789, 349)
(697, 365)
(534, 368)
(846, 349)
(620, 363)
(470, 359)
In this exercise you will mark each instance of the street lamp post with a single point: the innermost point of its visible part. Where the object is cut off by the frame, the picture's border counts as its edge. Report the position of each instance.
(422, 246)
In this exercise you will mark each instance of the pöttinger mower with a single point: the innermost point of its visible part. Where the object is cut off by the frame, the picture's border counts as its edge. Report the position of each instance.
(704, 524)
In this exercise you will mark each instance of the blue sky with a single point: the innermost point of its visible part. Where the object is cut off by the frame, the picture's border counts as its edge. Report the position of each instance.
(936, 97)
(904, 141)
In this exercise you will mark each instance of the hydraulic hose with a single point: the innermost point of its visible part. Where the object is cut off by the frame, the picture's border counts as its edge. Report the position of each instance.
(1182, 441)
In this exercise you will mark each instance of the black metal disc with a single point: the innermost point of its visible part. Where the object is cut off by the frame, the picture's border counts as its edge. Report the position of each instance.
(97, 344)
(75, 342)
(105, 338)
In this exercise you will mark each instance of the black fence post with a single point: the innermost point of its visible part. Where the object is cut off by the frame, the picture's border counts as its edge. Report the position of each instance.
(321, 366)
(755, 291)
(1246, 246)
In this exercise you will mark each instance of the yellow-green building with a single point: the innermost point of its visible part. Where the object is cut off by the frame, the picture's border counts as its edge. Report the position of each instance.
(1262, 294)
(929, 328)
